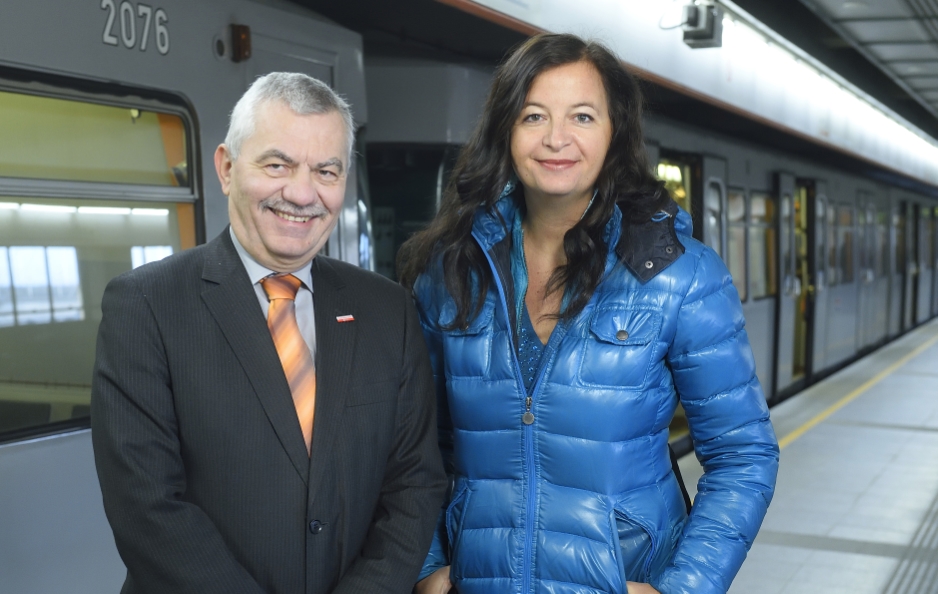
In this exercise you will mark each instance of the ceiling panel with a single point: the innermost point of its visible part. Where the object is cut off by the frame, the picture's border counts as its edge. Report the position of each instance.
(861, 9)
(922, 83)
(900, 37)
(894, 52)
(915, 68)
(873, 31)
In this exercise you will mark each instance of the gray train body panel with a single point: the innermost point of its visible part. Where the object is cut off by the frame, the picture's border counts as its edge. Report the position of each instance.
(55, 537)
(49, 495)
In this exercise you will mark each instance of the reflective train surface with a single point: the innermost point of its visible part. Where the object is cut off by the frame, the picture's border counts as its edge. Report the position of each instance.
(110, 112)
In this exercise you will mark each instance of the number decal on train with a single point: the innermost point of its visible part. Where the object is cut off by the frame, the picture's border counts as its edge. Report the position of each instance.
(123, 21)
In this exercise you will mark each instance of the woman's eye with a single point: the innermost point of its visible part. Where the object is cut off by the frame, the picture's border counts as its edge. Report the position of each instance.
(533, 117)
(583, 118)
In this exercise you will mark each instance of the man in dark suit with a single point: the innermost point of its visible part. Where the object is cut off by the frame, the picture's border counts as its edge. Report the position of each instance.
(231, 459)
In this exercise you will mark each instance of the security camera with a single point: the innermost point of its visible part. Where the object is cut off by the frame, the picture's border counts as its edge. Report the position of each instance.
(702, 25)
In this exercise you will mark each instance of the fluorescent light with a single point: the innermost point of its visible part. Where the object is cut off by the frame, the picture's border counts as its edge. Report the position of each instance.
(104, 210)
(151, 212)
(48, 208)
(9, 205)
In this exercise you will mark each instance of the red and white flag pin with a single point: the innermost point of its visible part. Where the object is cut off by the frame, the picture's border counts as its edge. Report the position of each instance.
(345, 318)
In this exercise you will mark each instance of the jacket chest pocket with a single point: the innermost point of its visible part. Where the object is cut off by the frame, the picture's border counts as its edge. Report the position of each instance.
(619, 347)
(467, 350)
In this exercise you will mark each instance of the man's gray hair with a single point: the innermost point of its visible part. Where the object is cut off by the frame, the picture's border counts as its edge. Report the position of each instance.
(301, 93)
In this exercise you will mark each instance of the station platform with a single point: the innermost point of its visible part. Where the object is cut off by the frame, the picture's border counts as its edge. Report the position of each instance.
(856, 504)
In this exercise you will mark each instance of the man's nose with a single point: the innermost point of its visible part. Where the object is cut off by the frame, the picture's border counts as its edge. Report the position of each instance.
(300, 188)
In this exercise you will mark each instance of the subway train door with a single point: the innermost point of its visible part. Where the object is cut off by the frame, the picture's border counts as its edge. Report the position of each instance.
(790, 349)
(818, 236)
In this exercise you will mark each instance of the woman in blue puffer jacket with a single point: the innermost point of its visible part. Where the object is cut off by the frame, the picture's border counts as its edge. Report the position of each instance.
(567, 311)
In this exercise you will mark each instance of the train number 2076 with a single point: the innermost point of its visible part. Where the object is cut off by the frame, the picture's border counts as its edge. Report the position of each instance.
(125, 20)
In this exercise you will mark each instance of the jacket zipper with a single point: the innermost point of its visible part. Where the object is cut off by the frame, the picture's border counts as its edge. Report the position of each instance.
(528, 422)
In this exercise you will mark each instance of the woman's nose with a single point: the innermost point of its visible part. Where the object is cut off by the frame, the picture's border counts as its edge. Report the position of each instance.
(557, 135)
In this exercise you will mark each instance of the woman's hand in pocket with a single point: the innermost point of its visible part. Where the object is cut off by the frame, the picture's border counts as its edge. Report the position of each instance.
(436, 583)
(637, 588)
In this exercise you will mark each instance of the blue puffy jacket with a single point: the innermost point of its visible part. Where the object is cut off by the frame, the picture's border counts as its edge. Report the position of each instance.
(584, 498)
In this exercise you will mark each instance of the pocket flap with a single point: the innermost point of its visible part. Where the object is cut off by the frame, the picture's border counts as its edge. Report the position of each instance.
(625, 326)
(475, 325)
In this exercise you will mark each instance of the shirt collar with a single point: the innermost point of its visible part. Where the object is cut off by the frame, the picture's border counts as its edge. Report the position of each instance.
(257, 271)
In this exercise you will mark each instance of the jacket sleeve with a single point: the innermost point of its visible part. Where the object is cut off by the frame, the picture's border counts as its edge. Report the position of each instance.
(413, 482)
(715, 377)
(427, 303)
(167, 543)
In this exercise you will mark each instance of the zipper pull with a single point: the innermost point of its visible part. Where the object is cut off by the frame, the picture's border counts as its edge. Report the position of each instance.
(528, 417)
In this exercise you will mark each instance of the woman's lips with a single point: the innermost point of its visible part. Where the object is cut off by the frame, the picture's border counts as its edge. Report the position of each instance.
(556, 164)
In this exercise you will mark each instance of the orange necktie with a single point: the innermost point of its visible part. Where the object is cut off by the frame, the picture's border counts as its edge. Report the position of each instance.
(295, 357)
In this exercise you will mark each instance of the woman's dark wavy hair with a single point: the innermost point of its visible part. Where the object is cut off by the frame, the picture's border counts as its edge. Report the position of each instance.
(484, 167)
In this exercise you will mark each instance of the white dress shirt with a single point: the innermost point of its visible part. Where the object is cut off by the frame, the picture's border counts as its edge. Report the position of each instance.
(305, 318)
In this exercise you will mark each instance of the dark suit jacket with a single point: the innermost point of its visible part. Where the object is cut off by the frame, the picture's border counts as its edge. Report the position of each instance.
(206, 480)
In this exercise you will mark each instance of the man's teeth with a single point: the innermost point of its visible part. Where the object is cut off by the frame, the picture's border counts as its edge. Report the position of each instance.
(290, 217)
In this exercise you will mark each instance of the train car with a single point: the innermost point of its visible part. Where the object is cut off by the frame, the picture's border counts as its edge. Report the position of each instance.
(110, 112)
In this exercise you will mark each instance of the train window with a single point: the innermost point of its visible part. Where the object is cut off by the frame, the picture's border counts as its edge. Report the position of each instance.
(845, 236)
(713, 216)
(89, 188)
(676, 178)
(736, 239)
(56, 256)
(62, 139)
(763, 257)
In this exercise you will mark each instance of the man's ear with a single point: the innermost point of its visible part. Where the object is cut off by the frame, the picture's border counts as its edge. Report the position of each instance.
(223, 163)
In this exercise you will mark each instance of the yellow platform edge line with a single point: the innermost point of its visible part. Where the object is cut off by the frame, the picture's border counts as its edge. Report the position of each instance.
(788, 439)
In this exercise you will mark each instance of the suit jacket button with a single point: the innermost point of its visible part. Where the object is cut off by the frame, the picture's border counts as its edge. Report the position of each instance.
(315, 527)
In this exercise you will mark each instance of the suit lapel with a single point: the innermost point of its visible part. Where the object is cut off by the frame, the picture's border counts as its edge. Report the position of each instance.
(335, 346)
(231, 299)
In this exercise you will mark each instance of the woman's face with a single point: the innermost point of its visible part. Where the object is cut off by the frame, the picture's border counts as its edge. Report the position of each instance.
(560, 139)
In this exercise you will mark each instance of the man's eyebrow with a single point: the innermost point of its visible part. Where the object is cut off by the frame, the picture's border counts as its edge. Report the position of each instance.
(333, 162)
(276, 154)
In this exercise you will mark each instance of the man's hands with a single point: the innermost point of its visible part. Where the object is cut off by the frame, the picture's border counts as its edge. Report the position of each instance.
(435, 583)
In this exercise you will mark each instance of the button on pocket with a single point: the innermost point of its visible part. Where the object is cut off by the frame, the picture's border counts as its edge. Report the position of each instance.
(617, 351)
